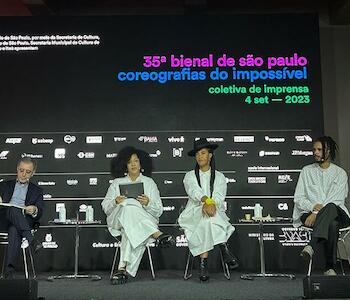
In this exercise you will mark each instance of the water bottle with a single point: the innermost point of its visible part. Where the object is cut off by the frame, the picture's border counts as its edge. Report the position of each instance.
(89, 214)
(62, 214)
(258, 210)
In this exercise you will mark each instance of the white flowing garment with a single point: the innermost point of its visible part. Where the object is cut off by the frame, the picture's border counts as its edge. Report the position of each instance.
(134, 222)
(203, 233)
(317, 185)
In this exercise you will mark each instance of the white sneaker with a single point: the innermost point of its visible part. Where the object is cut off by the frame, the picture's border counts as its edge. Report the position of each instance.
(330, 272)
(25, 243)
(307, 252)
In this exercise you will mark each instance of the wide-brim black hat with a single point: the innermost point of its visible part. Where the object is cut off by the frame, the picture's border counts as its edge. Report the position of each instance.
(200, 144)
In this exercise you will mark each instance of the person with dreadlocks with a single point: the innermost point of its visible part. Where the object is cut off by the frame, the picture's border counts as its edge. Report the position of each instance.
(204, 220)
(136, 220)
(319, 201)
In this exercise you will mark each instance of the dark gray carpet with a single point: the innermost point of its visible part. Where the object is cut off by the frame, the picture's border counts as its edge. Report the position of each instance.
(170, 285)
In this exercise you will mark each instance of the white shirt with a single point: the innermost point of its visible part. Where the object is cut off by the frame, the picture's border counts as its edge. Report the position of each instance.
(318, 185)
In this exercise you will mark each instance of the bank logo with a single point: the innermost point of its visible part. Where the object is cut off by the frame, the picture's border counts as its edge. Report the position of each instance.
(60, 153)
(69, 138)
(36, 140)
(111, 155)
(243, 139)
(257, 180)
(47, 196)
(97, 139)
(303, 138)
(3, 154)
(274, 139)
(168, 181)
(177, 152)
(148, 139)
(302, 153)
(82, 154)
(263, 153)
(175, 139)
(13, 140)
(294, 237)
(284, 178)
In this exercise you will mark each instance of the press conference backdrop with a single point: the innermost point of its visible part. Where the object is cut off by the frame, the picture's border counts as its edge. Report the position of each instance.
(75, 90)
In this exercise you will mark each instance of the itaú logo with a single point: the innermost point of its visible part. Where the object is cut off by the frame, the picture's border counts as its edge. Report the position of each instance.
(148, 139)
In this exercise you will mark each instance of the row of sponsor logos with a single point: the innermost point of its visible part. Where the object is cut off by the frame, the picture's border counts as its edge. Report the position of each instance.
(61, 153)
(288, 237)
(98, 139)
(281, 179)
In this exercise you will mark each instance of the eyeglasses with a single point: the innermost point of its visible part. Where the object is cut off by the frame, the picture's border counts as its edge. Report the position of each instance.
(28, 172)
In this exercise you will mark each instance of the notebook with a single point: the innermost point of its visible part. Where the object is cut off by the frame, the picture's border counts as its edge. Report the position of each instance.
(132, 190)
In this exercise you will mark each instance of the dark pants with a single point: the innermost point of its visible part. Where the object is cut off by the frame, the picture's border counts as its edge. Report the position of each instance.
(326, 230)
(18, 226)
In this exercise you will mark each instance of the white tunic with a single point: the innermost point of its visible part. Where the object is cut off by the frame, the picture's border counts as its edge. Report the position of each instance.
(134, 222)
(203, 233)
(317, 185)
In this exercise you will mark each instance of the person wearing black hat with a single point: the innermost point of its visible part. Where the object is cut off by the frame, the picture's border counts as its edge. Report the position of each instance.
(204, 219)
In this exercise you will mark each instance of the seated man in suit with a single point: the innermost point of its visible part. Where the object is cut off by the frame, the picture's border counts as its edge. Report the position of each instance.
(16, 221)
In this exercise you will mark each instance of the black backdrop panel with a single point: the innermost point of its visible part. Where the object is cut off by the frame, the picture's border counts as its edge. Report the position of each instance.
(75, 90)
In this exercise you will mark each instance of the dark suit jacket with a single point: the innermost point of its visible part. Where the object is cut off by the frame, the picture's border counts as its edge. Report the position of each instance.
(34, 195)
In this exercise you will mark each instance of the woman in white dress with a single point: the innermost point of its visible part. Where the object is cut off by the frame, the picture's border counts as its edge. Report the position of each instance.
(135, 220)
(204, 219)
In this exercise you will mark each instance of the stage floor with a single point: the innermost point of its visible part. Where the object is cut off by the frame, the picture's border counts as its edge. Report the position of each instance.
(170, 285)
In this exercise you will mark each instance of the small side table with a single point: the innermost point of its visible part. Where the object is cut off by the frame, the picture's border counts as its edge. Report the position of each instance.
(263, 273)
(76, 274)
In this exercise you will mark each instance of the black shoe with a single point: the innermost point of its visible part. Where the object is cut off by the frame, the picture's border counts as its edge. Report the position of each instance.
(10, 274)
(165, 240)
(36, 246)
(120, 277)
(229, 258)
(203, 270)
